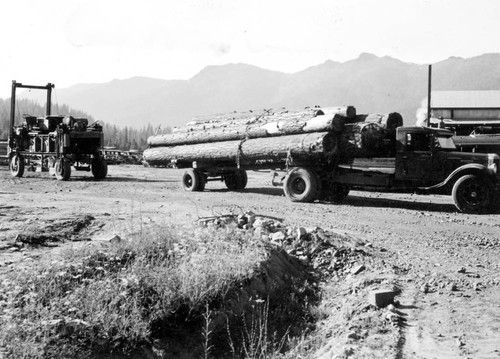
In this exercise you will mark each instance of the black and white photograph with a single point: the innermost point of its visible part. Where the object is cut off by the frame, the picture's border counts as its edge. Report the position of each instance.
(250, 179)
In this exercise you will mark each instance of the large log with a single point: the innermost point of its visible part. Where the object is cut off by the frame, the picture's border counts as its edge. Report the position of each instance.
(282, 124)
(388, 121)
(344, 111)
(242, 119)
(367, 139)
(269, 150)
(215, 135)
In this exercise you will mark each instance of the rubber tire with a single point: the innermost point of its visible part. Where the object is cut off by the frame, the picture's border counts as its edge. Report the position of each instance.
(16, 165)
(237, 180)
(193, 180)
(301, 185)
(339, 192)
(472, 194)
(99, 167)
(63, 169)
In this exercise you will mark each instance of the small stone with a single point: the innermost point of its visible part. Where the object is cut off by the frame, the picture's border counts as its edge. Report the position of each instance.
(301, 232)
(310, 230)
(381, 298)
(461, 270)
(353, 335)
(424, 288)
(452, 287)
(358, 269)
(259, 223)
(115, 239)
(392, 317)
(250, 218)
(278, 237)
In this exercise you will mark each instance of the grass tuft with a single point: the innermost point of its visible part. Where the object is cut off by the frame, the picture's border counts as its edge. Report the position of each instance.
(107, 300)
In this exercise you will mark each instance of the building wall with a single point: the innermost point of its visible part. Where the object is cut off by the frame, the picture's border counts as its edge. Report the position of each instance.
(467, 114)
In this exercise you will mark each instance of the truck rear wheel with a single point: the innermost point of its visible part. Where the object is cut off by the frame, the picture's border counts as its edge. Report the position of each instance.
(237, 180)
(472, 194)
(99, 167)
(193, 180)
(301, 185)
(63, 169)
(16, 165)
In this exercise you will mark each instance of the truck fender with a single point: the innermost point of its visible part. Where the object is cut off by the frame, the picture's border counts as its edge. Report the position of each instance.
(468, 169)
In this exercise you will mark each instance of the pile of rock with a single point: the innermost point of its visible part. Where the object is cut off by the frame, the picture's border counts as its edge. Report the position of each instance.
(327, 252)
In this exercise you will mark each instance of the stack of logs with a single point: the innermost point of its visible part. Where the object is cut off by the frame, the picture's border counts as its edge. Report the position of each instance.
(246, 138)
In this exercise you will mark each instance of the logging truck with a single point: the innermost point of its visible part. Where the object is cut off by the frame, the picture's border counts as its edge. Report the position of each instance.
(342, 153)
(53, 143)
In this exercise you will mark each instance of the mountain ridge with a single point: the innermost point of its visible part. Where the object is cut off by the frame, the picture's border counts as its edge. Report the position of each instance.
(371, 83)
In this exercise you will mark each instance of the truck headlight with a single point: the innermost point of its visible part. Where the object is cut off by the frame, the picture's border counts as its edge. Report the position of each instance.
(493, 161)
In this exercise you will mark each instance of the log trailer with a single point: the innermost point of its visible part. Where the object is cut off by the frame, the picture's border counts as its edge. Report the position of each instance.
(54, 143)
(327, 165)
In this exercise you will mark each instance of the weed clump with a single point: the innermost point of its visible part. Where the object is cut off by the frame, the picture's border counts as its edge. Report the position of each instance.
(152, 288)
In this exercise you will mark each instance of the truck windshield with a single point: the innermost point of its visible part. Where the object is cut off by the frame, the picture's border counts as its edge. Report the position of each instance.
(445, 143)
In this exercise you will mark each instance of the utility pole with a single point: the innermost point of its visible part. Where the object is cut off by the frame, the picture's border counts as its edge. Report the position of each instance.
(429, 87)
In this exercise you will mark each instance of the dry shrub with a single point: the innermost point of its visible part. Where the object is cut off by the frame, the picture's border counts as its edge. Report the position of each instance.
(103, 300)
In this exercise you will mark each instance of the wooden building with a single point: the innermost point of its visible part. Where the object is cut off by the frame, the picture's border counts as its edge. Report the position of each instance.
(466, 112)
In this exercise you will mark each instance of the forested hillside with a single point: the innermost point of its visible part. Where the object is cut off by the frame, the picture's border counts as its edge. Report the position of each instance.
(123, 138)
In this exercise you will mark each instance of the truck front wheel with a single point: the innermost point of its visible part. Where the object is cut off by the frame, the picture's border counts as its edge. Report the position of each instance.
(301, 185)
(16, 165)
(193, 180)
(472, 194)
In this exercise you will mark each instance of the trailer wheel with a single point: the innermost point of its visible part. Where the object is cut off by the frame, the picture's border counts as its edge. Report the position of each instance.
(237, 180)
(193, 180)
(63, 169)
(16, 165)
(99, 167)
(301, 185)
(472, 194)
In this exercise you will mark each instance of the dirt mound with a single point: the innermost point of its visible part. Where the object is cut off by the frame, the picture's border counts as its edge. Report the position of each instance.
(72, 229)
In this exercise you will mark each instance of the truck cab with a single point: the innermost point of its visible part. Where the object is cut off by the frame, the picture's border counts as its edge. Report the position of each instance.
(427, 157)
(426, 162)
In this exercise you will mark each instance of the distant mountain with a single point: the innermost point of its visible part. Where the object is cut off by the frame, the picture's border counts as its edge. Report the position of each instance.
(370, 83)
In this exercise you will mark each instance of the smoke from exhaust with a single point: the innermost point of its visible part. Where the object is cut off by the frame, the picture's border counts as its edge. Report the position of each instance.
(421, 114)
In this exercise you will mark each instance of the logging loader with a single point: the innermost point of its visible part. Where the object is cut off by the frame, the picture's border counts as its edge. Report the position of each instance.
(53, 143)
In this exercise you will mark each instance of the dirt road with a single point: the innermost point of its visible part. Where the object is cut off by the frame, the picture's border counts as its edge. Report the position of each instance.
(445, 263)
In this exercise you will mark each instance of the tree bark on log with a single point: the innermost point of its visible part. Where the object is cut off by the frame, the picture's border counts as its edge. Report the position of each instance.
(251, 151)
(281, 125)
(344, 111)
(242, 119)
(367, 139)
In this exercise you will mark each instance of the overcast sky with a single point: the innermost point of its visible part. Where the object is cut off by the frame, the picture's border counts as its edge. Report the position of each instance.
(86, 41)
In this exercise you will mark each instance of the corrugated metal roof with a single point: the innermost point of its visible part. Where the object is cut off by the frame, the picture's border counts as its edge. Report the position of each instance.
(465, 99)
